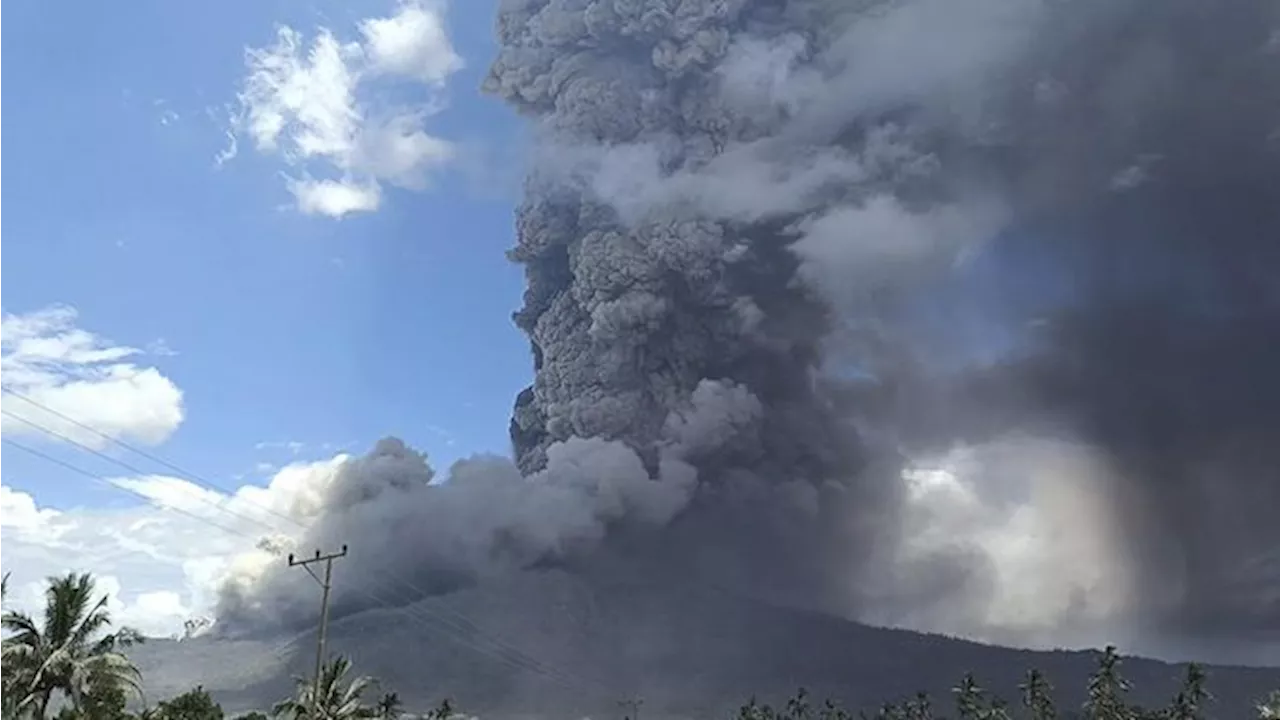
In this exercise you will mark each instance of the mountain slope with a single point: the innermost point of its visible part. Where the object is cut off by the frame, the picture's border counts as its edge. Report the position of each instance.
(688, 653)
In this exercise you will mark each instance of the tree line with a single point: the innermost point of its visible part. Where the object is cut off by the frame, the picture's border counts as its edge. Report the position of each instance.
(72, 664)
(73, 658)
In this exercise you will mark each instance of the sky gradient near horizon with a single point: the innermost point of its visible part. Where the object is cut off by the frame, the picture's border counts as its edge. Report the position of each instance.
(245, 243)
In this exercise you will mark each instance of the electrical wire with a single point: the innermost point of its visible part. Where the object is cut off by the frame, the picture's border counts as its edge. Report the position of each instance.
(457, 625)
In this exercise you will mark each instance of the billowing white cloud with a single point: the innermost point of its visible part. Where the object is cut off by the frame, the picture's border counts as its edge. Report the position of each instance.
(75, 373)
(326, 108)
(161, 563)
(19, 515)
(413, 43)
(1032, 515)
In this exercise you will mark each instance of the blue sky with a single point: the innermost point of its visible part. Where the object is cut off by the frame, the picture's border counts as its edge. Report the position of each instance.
(290, 333)
(285, 326)
(253, 237)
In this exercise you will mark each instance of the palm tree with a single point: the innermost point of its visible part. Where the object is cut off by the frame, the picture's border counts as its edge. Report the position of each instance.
(17, 678)
(1269, 709)
(1037, 696)
(389, 707)
(1107, 689)
(68, 652)
(336, 699)
(11, 699)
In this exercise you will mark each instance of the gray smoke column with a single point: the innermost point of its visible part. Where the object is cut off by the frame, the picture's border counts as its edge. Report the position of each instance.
(693, 160)
(787, 195)
(961, 316)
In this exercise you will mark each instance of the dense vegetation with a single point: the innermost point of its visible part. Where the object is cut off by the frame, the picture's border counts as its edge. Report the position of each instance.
(73, 660)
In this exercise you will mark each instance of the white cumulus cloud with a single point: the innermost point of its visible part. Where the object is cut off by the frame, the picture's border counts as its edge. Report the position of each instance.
(413, 43)
(1048, 565)
(326, 108)
(77, 374)
(160, 563)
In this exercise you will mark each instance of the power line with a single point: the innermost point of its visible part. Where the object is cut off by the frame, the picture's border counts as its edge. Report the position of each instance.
(282, 648)
(94, 431)
(516, 660)
(460, 624)
(325, 585)
(108, 483)
(198, 480)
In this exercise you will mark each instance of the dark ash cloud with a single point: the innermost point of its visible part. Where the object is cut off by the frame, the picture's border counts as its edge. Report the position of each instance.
(959, 316)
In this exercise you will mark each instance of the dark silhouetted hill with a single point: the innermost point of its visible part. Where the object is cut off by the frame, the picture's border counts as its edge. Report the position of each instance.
(581, 645)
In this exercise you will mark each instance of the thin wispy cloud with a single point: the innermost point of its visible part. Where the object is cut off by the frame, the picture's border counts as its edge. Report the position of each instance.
(322, 106)
(294, 447)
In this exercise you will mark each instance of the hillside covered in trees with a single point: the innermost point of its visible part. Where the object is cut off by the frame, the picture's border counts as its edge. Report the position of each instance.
(73, 663)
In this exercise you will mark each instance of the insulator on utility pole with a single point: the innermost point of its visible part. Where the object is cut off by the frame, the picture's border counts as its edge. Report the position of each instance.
(325, 585)
(631, 708)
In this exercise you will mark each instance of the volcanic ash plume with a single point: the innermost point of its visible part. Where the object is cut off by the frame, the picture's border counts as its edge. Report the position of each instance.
(410, 537)
(960, 316)
(685, 151)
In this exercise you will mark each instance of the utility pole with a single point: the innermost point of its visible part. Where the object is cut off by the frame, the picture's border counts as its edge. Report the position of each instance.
(325, 584)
